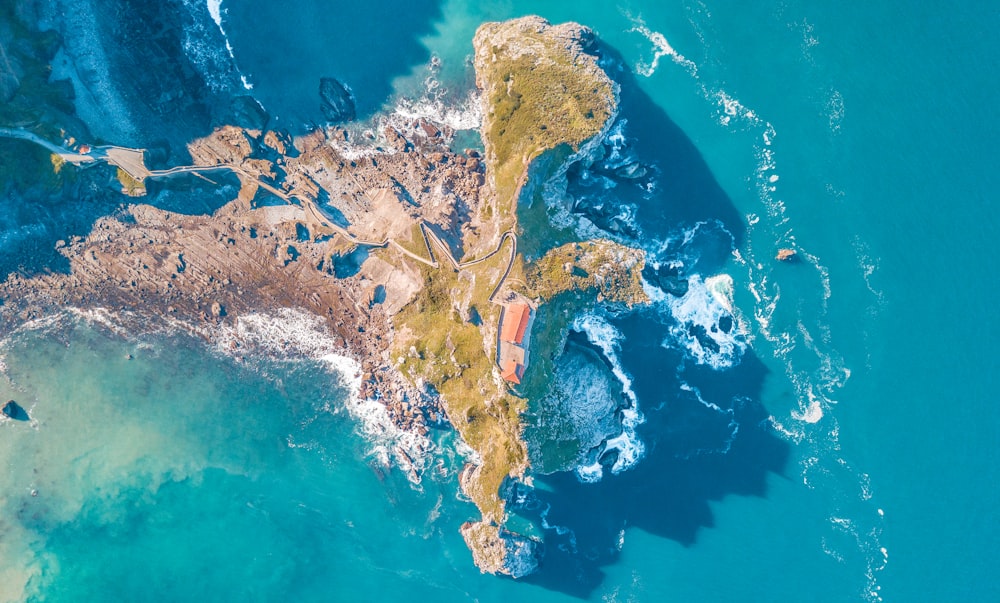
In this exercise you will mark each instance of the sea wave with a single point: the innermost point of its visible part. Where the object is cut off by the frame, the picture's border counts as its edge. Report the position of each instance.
(297, 334)
(438, 105)
(285, 335)
(629, 447)
(705, 326)
(203, 44)
(661, 48)
(587, 176)
(800, 342)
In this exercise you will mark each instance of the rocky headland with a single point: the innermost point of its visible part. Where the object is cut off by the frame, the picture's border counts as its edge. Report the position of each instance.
(406, 249)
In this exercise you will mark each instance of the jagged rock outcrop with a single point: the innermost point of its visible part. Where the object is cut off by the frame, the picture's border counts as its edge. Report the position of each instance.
(336, 100)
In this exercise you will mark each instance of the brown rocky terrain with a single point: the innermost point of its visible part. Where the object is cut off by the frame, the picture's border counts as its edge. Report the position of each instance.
(398, 243)
(251, 256)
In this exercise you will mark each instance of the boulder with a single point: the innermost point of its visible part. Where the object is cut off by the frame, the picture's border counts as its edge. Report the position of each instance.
(336, 100)
(248, 113)
(785, 255)
(666, 278)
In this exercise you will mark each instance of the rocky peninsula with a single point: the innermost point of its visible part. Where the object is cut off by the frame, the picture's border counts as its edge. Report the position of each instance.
(408, 250)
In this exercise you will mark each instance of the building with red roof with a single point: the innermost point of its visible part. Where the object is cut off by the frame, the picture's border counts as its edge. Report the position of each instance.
(511, 352)
(515, 322)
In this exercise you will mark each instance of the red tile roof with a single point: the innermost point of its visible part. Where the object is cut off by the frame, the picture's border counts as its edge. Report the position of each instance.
(515, 322)
(512, 372)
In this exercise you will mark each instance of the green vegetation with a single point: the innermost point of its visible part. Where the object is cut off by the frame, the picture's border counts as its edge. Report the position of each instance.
(131, 186)
(568, 279)
(415, 242)
(538, 100)
(438, 344)
(613, 271)
(545, 95)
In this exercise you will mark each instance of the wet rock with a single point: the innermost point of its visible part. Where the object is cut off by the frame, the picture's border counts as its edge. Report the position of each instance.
(499, 551)
(786, 255)
(632, 171)
(276, 142)
(605, 216)
(396, 141)
(430, 130)
(249, 113)
(336, 100)
(667, 279)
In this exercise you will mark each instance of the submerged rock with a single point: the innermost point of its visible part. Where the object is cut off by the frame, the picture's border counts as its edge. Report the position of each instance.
(248, 113)
(15, 411)
(336, 100)
(667, 278)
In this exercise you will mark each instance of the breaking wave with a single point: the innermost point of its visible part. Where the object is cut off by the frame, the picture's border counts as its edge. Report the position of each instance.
(629, 448)
(296, 334)
(799, 343)
(438, 105)
(202, 42)
(661, 48)
(705, 325)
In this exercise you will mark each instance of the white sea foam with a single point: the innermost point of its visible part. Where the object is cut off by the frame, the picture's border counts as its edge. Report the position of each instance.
(581, 406)
(811, 364)
(701, 309)
(559, 202)
(630, 448)
(590, 473)
(462, 115)
(811, 413)
(616, 144)
(835, 110)
(215, 10)
(729, 413)
(661, 48)
(293, 333)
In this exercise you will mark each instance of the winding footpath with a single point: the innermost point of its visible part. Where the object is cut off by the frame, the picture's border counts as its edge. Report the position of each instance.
(132, 162)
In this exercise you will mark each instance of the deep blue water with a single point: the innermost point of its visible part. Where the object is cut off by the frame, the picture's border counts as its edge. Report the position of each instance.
(843, 449)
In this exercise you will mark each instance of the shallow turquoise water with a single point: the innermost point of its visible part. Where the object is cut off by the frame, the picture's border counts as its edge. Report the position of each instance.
(862, 137)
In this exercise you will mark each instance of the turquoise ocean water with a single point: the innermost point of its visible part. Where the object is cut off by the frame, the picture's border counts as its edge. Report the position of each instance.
(837, 444)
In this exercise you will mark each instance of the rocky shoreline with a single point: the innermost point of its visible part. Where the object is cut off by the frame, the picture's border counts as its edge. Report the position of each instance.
(394, 240)
(254, 254)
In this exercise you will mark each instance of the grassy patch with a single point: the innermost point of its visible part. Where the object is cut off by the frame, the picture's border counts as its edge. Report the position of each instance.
(439, 344)
(538, 101)
(610, 270)
(414, 242)
(131, 186)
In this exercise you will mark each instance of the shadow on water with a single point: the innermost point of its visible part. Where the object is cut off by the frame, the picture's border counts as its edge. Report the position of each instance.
(670, 184)
(692, 458)
(707, 433)
(194, 194)
(38, 209)
(39, 217)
